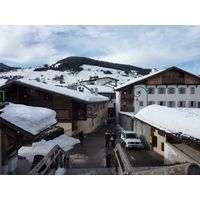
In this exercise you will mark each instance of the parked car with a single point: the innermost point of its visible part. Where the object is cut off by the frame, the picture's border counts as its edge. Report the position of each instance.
(130, 139)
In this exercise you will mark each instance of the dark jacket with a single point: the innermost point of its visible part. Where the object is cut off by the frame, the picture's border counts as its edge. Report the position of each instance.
(107, 136)
(81, 135)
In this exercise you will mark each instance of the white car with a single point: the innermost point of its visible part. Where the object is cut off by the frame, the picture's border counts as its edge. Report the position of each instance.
(130, 139)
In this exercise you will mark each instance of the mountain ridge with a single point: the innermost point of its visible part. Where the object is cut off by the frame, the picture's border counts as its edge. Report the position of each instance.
(77, 62)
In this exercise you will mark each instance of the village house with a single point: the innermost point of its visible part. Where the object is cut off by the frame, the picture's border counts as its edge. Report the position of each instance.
(172, 87)
(75, 109)
(19, 126)
(95, 80)
(171, 132)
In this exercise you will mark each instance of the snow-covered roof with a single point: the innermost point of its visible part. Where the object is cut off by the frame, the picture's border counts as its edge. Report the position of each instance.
(101, 88)
(83, 96)
(31, 119)
(172, 120)
(137, 80)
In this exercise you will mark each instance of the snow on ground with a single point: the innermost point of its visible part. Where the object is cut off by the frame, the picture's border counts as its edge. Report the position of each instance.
(69, 78)
(60, 171)
(43, 147)
(172, 120)
(31, 119)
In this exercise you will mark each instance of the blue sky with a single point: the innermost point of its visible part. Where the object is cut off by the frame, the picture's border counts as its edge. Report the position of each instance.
(146, 46)
(143, 46)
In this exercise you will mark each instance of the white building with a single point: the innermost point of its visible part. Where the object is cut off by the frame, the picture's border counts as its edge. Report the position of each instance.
(172, 87)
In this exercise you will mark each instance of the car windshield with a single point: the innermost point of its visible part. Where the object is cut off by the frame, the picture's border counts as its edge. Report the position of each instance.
(131, 135)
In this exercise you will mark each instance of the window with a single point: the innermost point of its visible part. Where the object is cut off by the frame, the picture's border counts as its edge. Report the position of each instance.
(171, 90)
(63, 114)
(151, 103)
(171, 103)
(47, 96)
(161, 90)
(192, 90)
(181, 104)
(161, 133)
(162, 103)
(192, 104)
(151, 90)
(124, 104)
(162, 146)
(141, 103)
(182, 90)
(80, 114)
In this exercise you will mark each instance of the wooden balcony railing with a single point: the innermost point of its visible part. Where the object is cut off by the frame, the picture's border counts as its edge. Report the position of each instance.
(127, 96)
(127, 109)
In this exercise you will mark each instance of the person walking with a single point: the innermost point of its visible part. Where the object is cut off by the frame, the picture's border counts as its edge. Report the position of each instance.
(113, 138)
(81, 137)
(107, 139)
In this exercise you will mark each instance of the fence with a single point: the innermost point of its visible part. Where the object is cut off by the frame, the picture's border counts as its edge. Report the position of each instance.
(54, 159)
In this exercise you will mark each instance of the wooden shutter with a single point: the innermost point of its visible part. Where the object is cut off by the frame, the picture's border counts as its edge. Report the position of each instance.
(162, 146)
(154, 141)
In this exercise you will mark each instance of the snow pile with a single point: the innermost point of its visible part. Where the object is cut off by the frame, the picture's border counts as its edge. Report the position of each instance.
(31, 119)
(43, 147)
(172, 120)
(60, 171)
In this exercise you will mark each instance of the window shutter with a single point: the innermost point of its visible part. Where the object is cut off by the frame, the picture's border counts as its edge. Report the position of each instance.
(162, 146)
(154, 141)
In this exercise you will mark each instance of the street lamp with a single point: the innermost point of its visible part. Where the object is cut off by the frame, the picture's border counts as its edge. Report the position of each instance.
(138, 93)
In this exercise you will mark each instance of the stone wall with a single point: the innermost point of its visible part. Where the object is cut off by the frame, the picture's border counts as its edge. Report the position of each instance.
(144, 132)
(172, 155)
(126, 121)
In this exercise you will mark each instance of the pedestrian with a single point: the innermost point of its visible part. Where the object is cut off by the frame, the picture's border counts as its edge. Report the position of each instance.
(105, 122)
(107, 139)
(81, 137)
(113, 138)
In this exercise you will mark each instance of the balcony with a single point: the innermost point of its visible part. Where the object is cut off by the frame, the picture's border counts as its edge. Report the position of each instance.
(127, 96)
(127, 109)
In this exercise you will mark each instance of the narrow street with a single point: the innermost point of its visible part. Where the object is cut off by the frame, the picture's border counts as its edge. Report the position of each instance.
(93, 153)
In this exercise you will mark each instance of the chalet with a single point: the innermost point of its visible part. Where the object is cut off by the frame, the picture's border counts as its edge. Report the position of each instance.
(75, 110)
(19, 126)
(95, 80)
(171, 132)
(106, 91)
(172, 87)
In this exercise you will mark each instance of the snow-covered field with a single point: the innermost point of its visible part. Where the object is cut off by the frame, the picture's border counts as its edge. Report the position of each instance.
(69, 78)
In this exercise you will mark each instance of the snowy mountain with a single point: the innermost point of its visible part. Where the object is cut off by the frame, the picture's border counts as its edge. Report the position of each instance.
(75, 63)
(6, 68)
(64, 78)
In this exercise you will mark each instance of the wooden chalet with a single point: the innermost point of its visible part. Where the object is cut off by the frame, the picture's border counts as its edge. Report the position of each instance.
(172, 87)
(73, 113)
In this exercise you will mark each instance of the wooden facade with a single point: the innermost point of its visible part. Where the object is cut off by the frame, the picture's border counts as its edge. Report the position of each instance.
(71, 111)
(66, 108)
